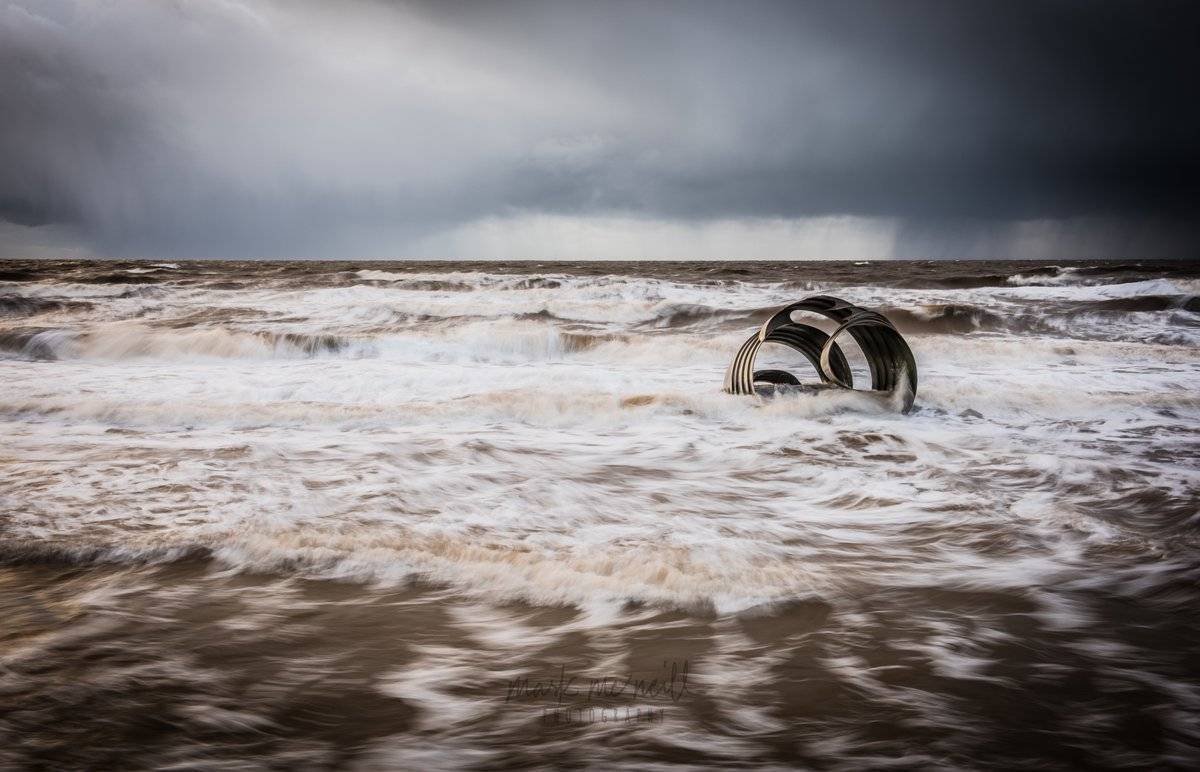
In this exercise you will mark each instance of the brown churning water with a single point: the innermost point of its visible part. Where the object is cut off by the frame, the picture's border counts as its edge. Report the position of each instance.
(462, 515)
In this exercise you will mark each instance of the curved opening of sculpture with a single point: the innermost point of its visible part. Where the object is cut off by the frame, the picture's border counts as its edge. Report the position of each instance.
(792, 358)
(890, 363)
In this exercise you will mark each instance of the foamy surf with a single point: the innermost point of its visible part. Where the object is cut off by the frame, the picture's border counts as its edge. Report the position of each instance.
(495, 473)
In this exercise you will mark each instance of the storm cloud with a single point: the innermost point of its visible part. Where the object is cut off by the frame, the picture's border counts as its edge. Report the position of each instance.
(926, 128)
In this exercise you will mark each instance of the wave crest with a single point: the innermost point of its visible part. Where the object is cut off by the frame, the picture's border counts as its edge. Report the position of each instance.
(129, 341)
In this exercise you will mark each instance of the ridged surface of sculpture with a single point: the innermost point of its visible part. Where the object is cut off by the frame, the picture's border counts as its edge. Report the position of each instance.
(892, 366)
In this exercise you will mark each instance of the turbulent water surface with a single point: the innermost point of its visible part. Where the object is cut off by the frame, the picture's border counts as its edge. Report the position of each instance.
(425, 516)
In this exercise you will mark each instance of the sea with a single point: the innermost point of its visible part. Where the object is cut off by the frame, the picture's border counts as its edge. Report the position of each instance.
(472, 515)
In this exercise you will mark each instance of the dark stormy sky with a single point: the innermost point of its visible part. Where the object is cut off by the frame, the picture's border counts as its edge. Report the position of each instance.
(896, 128)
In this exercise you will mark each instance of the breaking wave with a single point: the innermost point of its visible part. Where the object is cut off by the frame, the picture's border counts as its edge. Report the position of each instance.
(19, 305)
(125, 341)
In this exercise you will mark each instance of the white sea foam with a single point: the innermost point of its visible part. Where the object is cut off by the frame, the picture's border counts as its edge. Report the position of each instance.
(564, 439)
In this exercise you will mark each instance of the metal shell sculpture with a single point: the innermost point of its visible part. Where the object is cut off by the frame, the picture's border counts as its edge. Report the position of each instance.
(888, 355)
